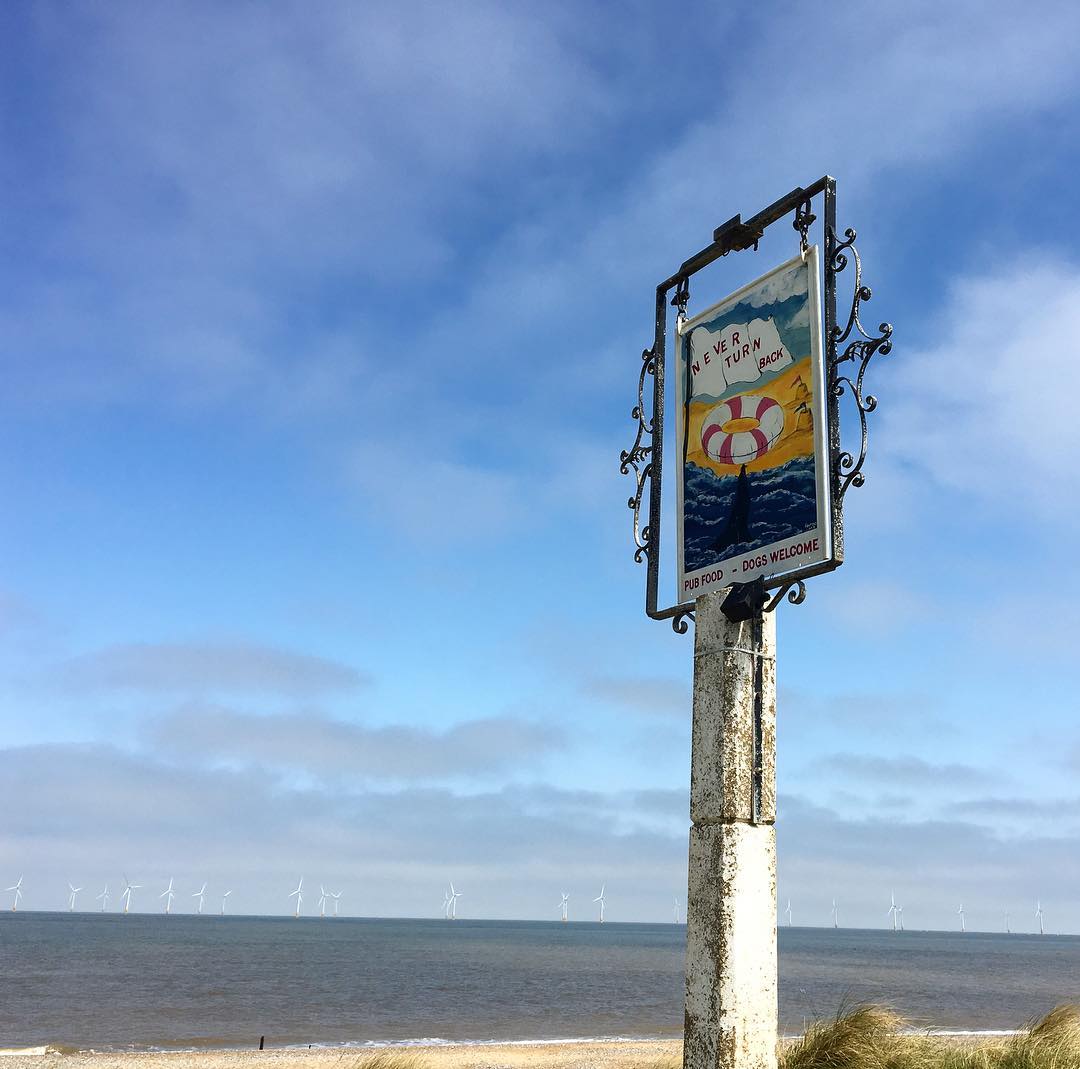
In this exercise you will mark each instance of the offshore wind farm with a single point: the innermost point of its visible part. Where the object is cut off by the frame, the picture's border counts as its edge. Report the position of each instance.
(330, 899)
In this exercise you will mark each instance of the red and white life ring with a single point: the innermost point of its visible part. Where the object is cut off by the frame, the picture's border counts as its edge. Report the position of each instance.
(741, 447)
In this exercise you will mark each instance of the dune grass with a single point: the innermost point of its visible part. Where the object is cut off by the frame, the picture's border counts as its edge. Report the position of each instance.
(389, 1059)
(870, 1037)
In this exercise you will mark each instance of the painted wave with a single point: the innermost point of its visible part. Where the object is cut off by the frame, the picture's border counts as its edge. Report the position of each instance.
(783, 504)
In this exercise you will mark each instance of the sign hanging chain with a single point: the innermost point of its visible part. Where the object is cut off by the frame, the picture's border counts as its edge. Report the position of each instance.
(682, 297)
(680, 301)
(804, 218)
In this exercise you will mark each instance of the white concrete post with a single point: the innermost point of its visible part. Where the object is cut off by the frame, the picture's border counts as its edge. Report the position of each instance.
(731, 1006)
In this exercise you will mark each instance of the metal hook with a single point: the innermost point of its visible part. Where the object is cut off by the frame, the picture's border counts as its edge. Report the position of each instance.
(682, 296)
(804, 219)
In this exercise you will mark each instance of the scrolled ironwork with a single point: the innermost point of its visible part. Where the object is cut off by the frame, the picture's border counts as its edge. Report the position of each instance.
(796, 596)
(860, 349)
(638, 456)
(839, 260)
(679, 624)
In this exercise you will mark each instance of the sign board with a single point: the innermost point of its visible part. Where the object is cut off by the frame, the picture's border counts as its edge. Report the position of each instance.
(753, 487)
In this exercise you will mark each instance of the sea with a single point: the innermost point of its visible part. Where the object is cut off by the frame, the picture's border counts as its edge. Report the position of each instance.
(151, 982)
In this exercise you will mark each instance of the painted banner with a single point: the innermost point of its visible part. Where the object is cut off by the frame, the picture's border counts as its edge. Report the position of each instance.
(753, 486)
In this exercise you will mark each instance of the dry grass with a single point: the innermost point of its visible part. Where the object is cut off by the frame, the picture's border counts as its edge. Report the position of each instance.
(387, 1059)
(672, 1062)
(866, 1037)
(870, 1037)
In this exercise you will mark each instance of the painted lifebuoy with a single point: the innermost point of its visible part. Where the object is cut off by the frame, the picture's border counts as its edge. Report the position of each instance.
(741, 447)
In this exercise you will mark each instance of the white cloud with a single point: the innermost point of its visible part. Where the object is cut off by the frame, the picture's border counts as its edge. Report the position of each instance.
(323, 747)
(96, 812)
(903, 771)
(226, 187)
(930, 90)
(219, 168)
(988, 408)
(930, 864)
(205, 667)
(92, 813)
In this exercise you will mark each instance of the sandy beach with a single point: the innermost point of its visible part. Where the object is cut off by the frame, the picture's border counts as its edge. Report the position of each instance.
(629, 1054)
(644, 1054)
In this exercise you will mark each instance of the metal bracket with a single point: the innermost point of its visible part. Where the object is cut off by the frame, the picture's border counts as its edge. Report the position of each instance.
(796, 596)
(737, 235)
(744, 601)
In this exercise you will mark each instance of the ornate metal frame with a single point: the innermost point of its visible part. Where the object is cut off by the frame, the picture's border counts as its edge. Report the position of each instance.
(645, 456)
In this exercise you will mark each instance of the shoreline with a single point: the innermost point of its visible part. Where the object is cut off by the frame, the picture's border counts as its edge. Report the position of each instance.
(614, 1053)
(610, 1052)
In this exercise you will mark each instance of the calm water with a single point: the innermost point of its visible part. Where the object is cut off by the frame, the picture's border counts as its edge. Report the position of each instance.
(95, 980)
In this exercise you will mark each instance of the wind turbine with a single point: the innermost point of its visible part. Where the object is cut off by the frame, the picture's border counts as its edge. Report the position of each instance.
(200, 894)
(127, 896)
(1007, 928)
(168, 894)
(17, 888)
(892, 909)
(600, 898)
(103, 898)
(71, 898)
(900, 914)
(223, 897)
(446, 904)
(835, 915)
(298, 896)
(454, 896)
(1038, 915)
(564, 905)
(322, 901)
(960, 913)
(788, 911)
(337, 898)
(676, 921)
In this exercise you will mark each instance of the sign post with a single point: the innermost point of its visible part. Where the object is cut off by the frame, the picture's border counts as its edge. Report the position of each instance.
(760, 483)
(731, 1008)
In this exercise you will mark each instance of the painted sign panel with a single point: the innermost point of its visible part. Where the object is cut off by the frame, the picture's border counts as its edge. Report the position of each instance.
(753, 486)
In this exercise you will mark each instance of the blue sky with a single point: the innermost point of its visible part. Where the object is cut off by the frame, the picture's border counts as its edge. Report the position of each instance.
(320, 330)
